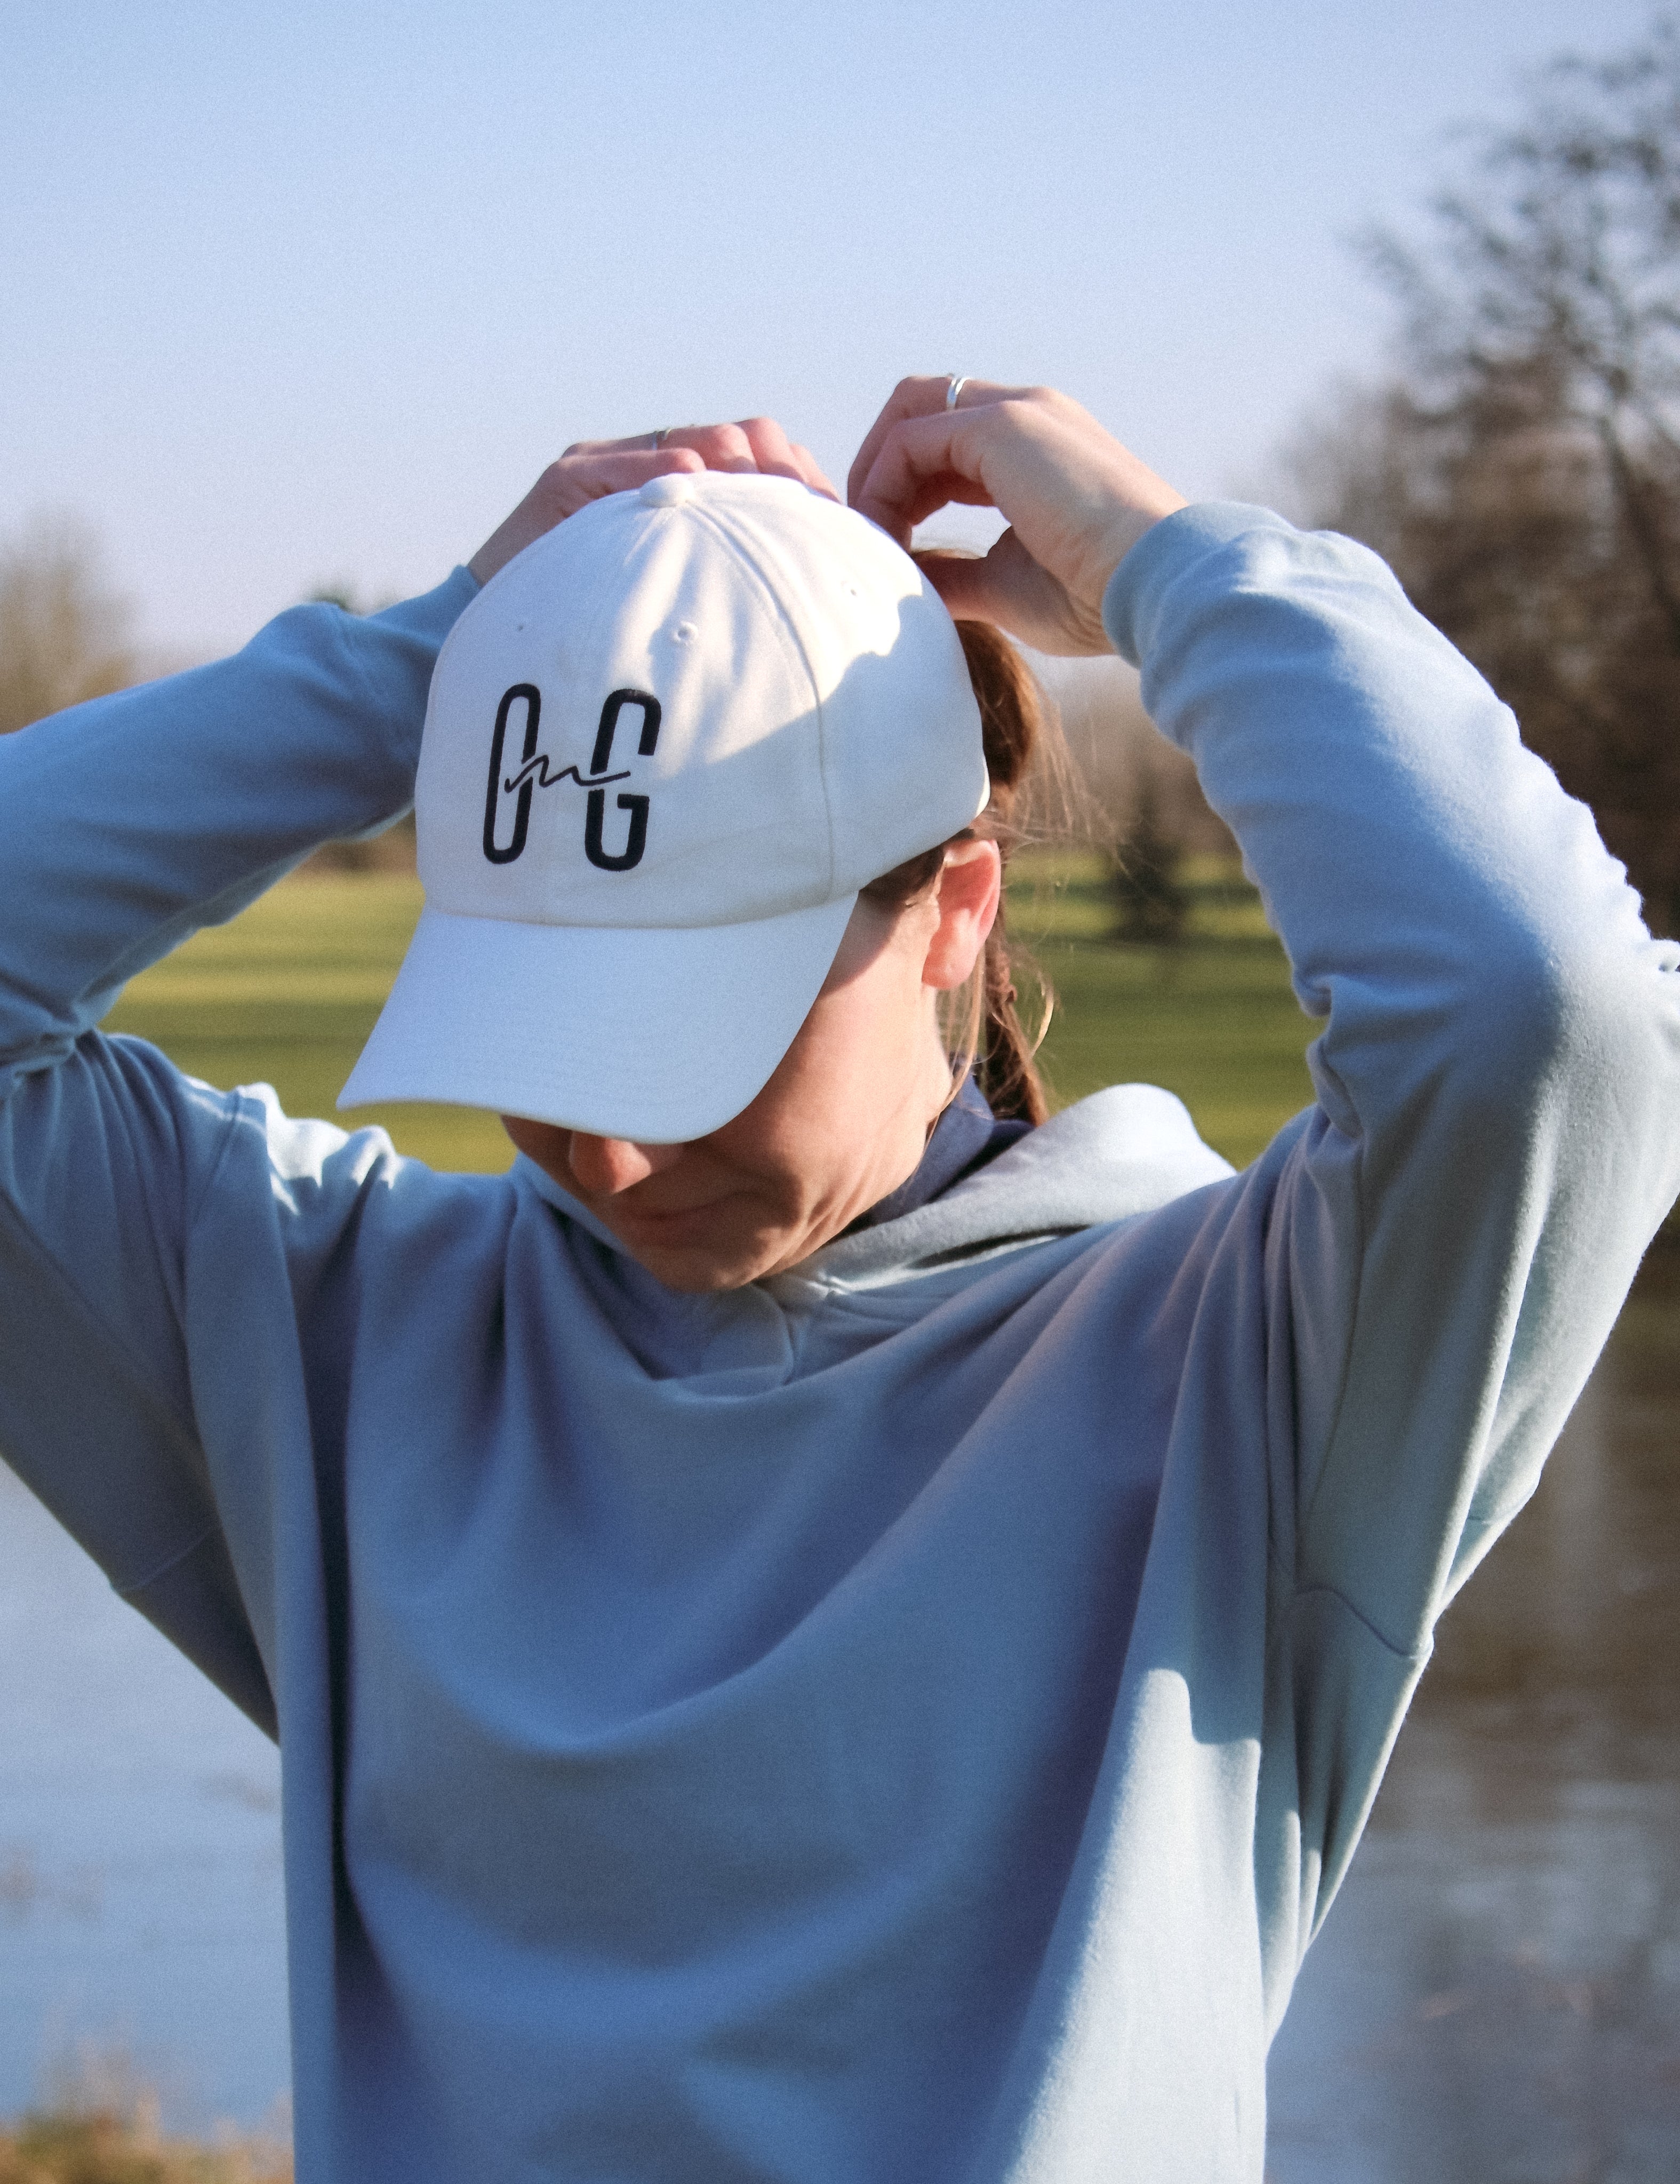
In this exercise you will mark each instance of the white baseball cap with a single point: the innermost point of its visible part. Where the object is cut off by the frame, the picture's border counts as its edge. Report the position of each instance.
(664, 748)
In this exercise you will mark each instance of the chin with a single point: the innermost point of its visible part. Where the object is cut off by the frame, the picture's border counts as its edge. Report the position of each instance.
(698, 1272)
(708, 1264)
(700, 1255)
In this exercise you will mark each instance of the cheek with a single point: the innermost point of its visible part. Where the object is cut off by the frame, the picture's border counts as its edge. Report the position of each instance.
(859, 1056)
(825, 1080)
(873, 1033)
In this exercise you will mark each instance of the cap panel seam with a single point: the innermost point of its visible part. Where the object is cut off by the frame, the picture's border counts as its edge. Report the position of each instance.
(788, 637)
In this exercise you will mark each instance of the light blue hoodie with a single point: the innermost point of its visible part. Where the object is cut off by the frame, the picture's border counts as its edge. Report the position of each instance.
(906, 1718)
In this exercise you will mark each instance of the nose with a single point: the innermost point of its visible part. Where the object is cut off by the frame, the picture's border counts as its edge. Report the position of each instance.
(606, 1166)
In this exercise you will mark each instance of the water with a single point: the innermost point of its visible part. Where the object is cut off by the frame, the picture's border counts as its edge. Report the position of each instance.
(1496, 1994)
(140, 1914)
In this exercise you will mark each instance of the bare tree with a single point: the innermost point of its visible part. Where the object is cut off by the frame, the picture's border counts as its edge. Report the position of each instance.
(1522, 471)
(64, 636)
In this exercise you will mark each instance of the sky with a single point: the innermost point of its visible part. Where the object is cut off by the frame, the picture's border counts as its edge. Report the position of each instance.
(309, 294)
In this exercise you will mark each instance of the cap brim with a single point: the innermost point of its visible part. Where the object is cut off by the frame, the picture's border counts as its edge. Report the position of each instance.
(657, 1034)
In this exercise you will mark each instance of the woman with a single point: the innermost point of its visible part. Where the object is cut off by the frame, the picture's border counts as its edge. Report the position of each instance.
(794, 1658)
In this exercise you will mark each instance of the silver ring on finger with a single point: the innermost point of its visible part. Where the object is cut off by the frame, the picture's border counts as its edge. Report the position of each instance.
(957, 384)
(660, 436)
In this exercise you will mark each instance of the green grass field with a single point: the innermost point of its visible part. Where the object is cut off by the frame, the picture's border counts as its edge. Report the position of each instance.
(286, 994)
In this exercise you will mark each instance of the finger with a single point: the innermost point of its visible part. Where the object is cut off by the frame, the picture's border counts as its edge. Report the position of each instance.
(1004, 585)
(1009, 587)
(578, 480)
(917, 396)
(644, 442)
(780, 457)
(772, 449)
(960, 580)
(811, 472)
(566, 487)
(922, 462)
(719, 447)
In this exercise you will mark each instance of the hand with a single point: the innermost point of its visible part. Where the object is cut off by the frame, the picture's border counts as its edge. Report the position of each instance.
(1076, 502)
(589, 470)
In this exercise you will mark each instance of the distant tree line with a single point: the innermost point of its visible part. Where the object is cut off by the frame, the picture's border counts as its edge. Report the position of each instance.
(63, 634)
(1133, 798)
(1521, 471)
(66, 636)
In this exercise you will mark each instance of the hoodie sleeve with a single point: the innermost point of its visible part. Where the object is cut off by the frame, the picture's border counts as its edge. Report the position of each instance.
(124, 825)
(1455, 1224)
(1497, 1077)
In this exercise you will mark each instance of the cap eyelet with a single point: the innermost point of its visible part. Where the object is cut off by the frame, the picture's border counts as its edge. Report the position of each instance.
(668, 490)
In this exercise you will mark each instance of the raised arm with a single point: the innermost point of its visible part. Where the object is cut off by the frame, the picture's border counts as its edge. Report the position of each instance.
(127, 822)
(1452, 1233)
(124, 824)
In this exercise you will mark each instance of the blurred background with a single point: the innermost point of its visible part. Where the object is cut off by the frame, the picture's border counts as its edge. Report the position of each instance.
(296, 303)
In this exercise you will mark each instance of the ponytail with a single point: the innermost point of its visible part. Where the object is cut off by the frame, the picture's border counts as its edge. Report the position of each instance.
(1012, 724)
(988, 1036)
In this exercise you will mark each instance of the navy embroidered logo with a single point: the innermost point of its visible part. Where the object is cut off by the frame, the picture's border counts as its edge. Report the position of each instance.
(533, 772)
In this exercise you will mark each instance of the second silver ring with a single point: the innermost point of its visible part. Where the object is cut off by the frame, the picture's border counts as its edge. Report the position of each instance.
(956, 386)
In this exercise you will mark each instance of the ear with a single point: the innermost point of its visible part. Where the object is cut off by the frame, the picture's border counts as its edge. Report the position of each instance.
(971, 885)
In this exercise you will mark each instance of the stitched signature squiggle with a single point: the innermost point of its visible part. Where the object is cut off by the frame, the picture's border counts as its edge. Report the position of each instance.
(536, 770)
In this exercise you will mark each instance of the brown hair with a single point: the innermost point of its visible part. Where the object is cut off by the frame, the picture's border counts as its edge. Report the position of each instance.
(993, 1040)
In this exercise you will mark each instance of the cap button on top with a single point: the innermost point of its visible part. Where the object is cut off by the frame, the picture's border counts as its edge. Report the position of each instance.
(670, 491)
